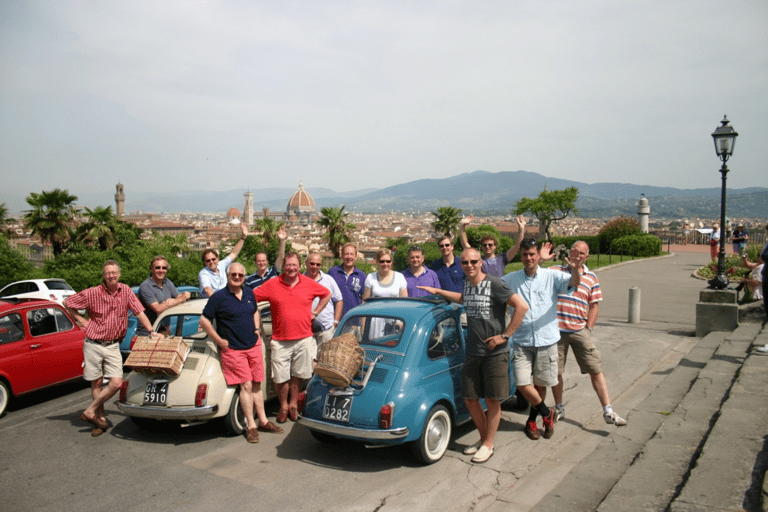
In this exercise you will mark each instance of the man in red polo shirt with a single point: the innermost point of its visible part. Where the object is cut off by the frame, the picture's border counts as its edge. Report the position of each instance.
(107, 306)
(290, 298)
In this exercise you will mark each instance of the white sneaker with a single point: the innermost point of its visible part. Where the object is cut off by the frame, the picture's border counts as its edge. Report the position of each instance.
(614, 419)
(559, 412)
(763, 349)
(472, 449)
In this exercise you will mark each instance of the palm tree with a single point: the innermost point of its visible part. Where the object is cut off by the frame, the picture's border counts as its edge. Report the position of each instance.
(99, 229)
(50, 217)
(4, 220)
(447, 220)
(337, 229)
(268, 228)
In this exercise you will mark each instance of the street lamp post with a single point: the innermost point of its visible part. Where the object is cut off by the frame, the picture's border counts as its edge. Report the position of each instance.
(725, 139)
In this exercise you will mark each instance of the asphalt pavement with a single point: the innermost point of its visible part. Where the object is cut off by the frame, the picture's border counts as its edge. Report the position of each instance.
(699, 440)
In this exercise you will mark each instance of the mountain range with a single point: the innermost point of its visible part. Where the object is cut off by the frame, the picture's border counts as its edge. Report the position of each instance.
(478, 192)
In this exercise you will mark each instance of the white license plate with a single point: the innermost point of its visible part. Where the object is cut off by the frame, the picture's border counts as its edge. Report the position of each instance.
(337, 408)
(156, 393)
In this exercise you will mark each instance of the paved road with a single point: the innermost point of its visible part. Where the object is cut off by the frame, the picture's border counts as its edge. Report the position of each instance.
(50, 462)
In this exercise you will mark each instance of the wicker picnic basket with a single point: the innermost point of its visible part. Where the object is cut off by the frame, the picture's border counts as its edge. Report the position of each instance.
(339, 359)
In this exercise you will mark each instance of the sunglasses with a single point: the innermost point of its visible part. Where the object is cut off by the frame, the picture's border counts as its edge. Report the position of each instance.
(314, 264)
(161, 268)
(489, 245)
(385, 261)
(236, 275)
(470, 262)
(210, 260)
(442, 246)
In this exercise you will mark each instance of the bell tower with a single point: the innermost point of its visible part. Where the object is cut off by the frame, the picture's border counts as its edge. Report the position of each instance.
(119, 200)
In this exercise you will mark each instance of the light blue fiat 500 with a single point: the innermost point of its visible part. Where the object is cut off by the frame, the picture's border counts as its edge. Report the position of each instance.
(409, 389)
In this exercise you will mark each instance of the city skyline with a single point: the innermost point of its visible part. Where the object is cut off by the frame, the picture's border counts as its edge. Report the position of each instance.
(218, 95)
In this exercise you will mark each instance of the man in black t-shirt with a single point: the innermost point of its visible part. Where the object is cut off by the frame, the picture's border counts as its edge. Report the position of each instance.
(486, 365)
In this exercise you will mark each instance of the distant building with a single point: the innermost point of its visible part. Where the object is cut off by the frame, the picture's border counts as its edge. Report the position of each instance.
(248, 209)
(643, 213)
(300, 211)
(119, 200)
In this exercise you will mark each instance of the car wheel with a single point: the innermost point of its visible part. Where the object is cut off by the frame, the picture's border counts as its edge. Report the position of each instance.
(234, 421)
(5, 396)
(433, 443)
(323, 437)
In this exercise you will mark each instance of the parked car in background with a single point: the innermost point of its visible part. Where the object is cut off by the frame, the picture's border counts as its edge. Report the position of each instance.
(45, 289)
(409, 389)
(40, 346)
(200, 392)
(133, 322)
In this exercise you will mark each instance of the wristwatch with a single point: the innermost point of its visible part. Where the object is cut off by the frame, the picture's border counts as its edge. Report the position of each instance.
(504, 337)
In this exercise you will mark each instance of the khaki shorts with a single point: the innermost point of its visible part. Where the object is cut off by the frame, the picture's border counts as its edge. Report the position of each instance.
(535, 365)
(318, 339)
(485, 377)
(101, 361)
(584, 351)
(291, 359)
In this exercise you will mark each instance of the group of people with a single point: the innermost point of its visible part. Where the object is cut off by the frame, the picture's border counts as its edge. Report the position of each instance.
(551, 312)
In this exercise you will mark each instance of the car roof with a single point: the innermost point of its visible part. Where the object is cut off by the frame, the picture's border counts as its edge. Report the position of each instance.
(9, 303)
(403, 306)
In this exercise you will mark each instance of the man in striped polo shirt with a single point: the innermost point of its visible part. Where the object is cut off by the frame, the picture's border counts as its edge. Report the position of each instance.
(107, 306)
(576, 316)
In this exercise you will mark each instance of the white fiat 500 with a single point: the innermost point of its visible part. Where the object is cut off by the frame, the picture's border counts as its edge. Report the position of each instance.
(199, 393)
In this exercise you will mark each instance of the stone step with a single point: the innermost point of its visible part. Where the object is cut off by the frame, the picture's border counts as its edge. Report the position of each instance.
(645, 466)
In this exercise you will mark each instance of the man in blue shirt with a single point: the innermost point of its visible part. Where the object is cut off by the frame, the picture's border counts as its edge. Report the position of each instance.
(535, 342)
(447, 268)
(351, 280)
(417, 274)
(237, 334)
(263, 270)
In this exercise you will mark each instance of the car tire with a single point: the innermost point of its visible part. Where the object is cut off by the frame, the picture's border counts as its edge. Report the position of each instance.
(5, 396)
(323, 437)
(435, 436)
(234, 421)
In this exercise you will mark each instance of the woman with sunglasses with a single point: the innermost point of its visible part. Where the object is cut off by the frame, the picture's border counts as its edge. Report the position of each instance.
(386, 282)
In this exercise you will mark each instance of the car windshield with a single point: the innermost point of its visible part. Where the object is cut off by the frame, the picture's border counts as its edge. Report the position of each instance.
(178, 325)
(379, 331)
(58, 285)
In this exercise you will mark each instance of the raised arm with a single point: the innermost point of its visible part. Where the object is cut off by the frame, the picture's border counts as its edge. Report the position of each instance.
(239, 245)
(520, 235)
(463, 232)
(283, 236)
(452, 296)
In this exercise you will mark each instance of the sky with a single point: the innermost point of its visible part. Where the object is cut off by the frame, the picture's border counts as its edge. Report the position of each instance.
(348, 95)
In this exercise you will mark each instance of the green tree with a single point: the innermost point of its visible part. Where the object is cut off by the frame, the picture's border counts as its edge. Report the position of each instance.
(13, 265)
(617, 228)
(447, 220)
(99, 229)
(267, 228)
(51, 217)
(549, 206)
(337, 229)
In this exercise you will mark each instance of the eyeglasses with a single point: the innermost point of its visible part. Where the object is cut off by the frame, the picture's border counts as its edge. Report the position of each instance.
(236, 275)
(470, 262)
(314, 264)
(161, 268)
(210, 260)
(385, 261)
(489, 244)
(442, 246)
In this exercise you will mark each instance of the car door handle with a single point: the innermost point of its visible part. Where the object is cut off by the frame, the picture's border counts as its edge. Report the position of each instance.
(37, 345)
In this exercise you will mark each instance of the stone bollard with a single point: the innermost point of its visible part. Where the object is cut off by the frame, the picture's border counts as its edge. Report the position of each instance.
(634, 305)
